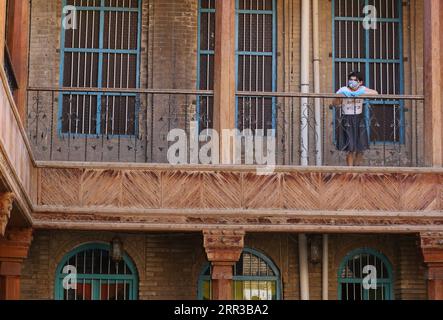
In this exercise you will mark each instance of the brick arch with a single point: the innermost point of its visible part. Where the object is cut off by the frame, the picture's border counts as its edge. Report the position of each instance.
(365, 242)
(353, 242)
(77, 241)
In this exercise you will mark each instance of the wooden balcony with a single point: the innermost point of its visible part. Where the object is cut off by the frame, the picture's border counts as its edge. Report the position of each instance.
(67, 175)
(88, 196)
(130, 196)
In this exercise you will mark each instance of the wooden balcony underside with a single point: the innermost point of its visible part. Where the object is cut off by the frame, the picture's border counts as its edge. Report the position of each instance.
(192, 198)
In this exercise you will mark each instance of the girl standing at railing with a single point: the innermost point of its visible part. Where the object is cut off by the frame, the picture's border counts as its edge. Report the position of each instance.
(352, 131)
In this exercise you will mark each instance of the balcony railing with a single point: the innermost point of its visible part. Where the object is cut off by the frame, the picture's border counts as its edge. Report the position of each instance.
(92, 125)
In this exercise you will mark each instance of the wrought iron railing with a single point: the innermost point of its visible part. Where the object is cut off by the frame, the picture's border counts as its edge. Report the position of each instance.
(95, 125)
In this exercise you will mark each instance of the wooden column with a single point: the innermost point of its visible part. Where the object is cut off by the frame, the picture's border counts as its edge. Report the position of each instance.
(14, 250)
(6, 201)
(223, 249)
(432, 248)
(2, 30)
(433, 77)
(18, 45)
(224, 73)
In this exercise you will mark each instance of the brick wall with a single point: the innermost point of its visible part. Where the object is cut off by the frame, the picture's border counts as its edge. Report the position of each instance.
(169, 265)
(169, 58)
(168, 61)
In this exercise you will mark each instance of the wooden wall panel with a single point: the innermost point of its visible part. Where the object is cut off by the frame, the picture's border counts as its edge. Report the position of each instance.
(181, 189)
(222, 190)
(66, 189)
(302, 191)
(262, 191)
(420, 192)
(101, 188)
(142, 188)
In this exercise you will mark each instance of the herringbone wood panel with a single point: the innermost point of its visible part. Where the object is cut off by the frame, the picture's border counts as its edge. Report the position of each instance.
(60, 187)
(381, 192)
(341, 192)
(181, 189)
(145, 189)
(419, 192)
(141, 189)
(301, 191)
(222, 190)
(262, 192)
(102, 188)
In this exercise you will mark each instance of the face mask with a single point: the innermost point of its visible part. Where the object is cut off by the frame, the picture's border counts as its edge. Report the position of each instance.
(353, 84)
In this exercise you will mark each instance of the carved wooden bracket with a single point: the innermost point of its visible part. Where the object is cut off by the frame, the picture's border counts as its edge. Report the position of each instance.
(223, 246)
(224, 249)
(432, 248)
(15, 245)
(432, 240)
(6, 201)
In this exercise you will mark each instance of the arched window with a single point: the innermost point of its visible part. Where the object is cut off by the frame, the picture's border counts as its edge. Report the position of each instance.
(357, 274)
(97, 276)
(255, 278)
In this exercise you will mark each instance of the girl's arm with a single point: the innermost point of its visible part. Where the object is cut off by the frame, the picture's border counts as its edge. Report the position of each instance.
(337, 102)
(371, 92)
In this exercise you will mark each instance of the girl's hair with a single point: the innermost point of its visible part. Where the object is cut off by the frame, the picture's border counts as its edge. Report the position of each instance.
(356, 74)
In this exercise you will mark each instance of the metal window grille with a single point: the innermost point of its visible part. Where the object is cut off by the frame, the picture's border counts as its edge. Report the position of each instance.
(378, 54)
(255, 278)
(256, 63)
(102, 52)
(351, 277)
(98, 276)
(206, 51)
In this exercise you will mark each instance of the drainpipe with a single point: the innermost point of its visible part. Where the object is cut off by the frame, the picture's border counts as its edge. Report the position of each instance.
(318, 136)
(304, 81)
(317, 89)
(325, 267)
(304, 135)
(304, 270)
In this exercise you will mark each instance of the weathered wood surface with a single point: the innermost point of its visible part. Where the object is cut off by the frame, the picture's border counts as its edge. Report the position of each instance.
(17, 167)
(188, 199)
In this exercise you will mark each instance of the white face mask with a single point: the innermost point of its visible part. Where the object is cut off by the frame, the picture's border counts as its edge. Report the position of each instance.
(353, 84)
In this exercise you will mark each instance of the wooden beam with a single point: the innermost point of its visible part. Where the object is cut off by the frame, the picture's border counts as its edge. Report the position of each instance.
(224, 74)
(2, 30)
(433, 77)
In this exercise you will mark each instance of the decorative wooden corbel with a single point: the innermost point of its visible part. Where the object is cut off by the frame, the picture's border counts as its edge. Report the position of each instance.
(6, 201)
(224, 249)
(432, 249)
(223, 245)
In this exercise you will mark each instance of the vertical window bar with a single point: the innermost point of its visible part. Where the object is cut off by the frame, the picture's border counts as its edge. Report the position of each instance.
(78, 67)
(361, 286)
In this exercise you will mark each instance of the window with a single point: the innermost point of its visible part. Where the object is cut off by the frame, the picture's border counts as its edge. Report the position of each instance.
(206, 51)
(9, 38)
(376, 53)
(351, 274)
(98, 277)
(256, 63)
(255, 278)
(102, 52)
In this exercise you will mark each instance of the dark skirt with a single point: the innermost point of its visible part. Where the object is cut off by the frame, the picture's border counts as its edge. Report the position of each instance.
(352, 135)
